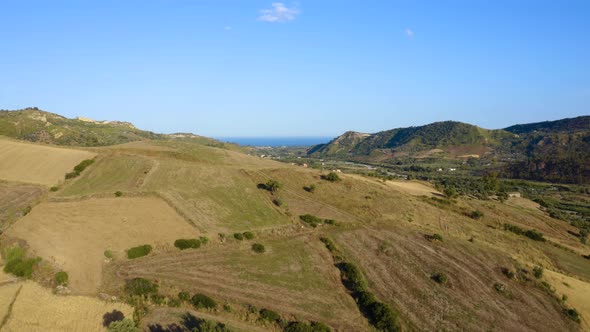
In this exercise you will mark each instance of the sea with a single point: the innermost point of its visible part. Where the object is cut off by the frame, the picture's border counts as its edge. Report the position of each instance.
(276, 141)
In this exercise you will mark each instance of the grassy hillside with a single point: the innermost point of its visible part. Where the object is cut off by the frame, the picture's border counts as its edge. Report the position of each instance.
(255, 251)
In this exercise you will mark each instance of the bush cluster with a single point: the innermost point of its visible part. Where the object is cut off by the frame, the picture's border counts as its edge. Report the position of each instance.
(434, 237)
(530, 233)
(538, 272)
(379, 314)
(79, 168)
(329, 244)
(183, 244)
(269, 315)
(244, 235)
(314, 221)
(18, 264)
(140, 286)
(124, 325)
(311, 188)
(203, 301)
(139, 251)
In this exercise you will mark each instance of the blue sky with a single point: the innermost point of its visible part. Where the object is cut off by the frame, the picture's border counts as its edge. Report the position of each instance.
(305, 68)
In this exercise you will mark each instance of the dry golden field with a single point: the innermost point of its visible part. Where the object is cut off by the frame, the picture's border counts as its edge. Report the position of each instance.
(38, 164)
(37, 309)
(74, 235)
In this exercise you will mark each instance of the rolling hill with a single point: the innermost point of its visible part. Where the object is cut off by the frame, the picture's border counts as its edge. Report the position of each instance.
(552, 150)
(382, 255)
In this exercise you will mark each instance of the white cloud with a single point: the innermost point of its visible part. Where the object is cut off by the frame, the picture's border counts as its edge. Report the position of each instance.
(409, 33)
(278, 13)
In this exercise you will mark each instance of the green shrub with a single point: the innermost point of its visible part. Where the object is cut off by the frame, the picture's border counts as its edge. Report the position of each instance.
(269, 315)
(71, 175)
(203, 239)
(174, 303)
(18, 264)
(54, 189)
(332, 177)
(183, 244)
(109, 254)
(304, 327)
(203, 301)
(440, 278)
(139, 251)
(82, 165)
(61, 278)
(258, 248)
(502, 289)
(27, 210)
(239, 236)
(158, 299)
(434, 237)
(248, 235)
(476, 214)
(273, 186)
(311, 188)
(329, 244)
(538, 272)
(278, 201)
(140, 286)
(352, 277)
(508, 273)
(184, 296)
(531, 234)
(311, 220)
(125, 325)
(572, 314)
(118, 194)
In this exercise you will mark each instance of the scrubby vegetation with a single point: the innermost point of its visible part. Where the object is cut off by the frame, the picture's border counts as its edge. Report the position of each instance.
(109, 254)
(314, 221)
(239, 236)
(124, 325)
(311, 188)
(61, 278)
(183, 244)
(17, 262)
(440, 278)
(140, 286)
(78, 169)
(139, 251)
(379, 314)
(434, 237)
(203, 301)
(332, 177)
(530, 233)
(248, 235)
(258, 248)
(270, 316)
(304, 327)
(184, 296)
(271, 185)
(118, 194)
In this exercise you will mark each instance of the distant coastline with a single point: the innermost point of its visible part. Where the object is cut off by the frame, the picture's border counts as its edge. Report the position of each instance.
(276, 141)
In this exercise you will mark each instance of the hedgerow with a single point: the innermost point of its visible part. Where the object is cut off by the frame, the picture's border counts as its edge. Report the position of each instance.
(139, 251)
(183, 244)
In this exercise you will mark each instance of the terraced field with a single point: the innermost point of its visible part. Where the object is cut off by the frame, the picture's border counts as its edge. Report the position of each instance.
(74, 235)
(38, 164)
(295, 277)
